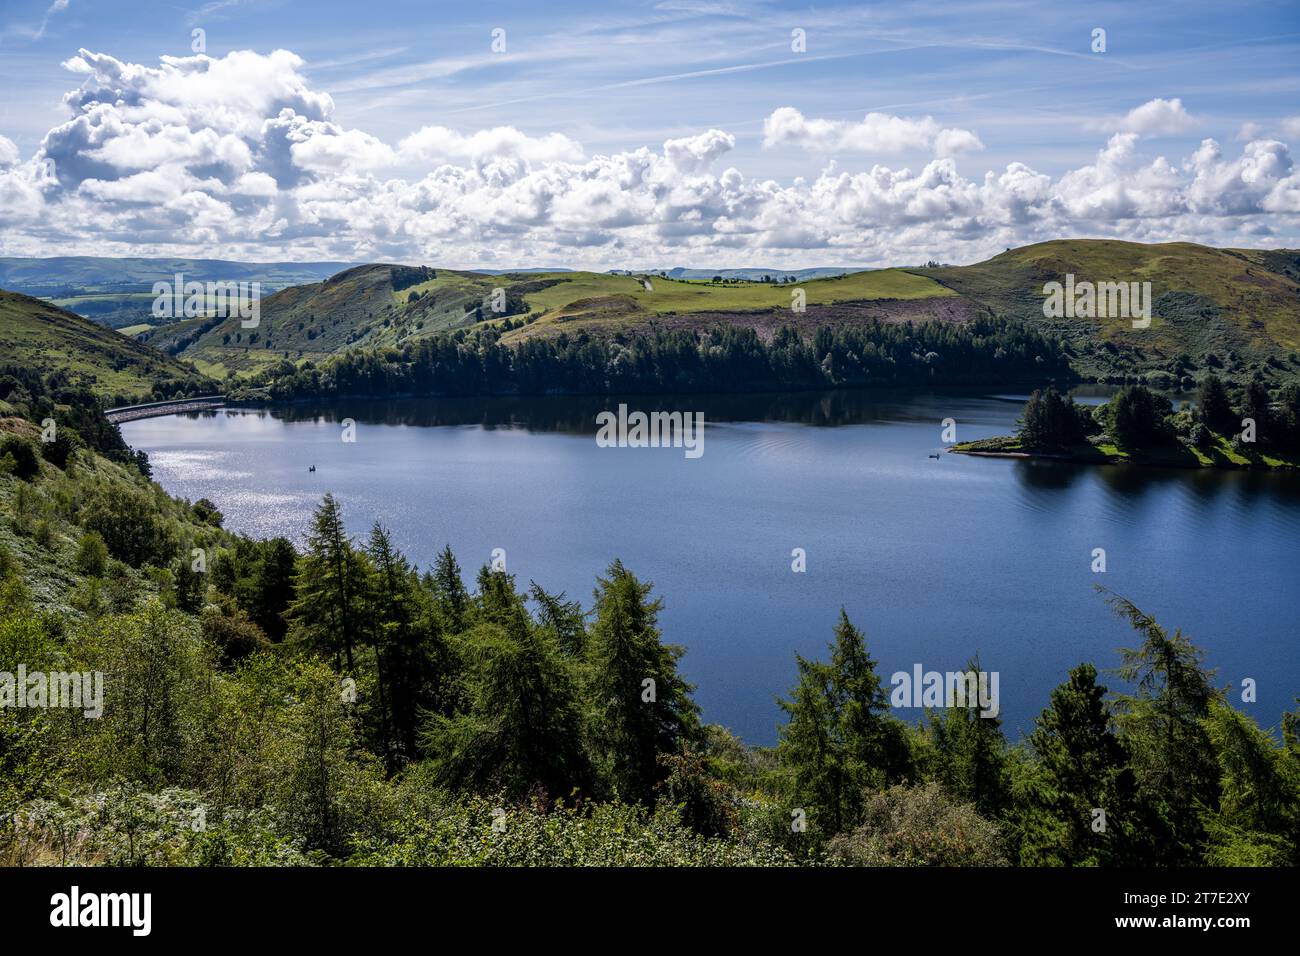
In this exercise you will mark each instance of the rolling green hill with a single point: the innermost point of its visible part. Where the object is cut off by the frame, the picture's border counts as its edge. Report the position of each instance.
(36, 334)
(373, 305)
(1239, 308)
(604, 304)
(669, 296)
(387, 305)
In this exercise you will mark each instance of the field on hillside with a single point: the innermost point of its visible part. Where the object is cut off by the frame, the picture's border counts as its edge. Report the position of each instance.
(450, 299)
(123, 310)
(692, 295)
(601, 304)
(114, 309)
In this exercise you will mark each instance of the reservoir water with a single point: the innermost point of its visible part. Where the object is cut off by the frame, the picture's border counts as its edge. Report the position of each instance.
(936, 559)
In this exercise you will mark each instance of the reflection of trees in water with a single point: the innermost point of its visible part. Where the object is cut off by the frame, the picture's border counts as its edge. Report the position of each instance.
(1136, 482)
(1203, 483)
(577, 414)
(1050, 475)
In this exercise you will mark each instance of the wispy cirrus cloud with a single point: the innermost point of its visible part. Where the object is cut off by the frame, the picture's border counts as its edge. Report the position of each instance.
(37, 32)
(58, 6)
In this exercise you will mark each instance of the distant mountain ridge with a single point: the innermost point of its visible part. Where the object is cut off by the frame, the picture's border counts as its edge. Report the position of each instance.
(55, 275)
(117, 292)
(48, 276)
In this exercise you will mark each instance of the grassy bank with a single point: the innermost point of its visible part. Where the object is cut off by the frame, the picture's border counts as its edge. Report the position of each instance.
(1218, 453)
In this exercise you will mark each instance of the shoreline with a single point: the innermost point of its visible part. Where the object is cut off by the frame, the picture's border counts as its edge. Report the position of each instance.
(1186, 462)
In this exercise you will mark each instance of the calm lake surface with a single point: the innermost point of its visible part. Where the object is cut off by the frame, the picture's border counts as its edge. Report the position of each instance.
(936, 560)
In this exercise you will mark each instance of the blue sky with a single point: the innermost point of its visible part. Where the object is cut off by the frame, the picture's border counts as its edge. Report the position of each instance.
(1018, 81)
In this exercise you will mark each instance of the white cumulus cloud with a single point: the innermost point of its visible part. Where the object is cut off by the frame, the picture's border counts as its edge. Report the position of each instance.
(875, 133)
(502, 142)
(241, 157)
(1158, 117)
(8, 152)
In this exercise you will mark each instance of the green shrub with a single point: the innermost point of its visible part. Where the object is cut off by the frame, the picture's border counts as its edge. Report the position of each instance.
(919, 826)
(26, 463)
(233, 634)
(92, 554)
(461, 832)
(60, 450)
(129, 522)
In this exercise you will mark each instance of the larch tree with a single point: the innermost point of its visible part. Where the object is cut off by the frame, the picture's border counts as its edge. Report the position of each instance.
(1080, 807)
(327, 586)
(643, 706)
(1162, 726)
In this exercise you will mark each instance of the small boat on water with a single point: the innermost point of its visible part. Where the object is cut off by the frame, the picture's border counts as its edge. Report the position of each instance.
(932, 456)
(312, 468)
